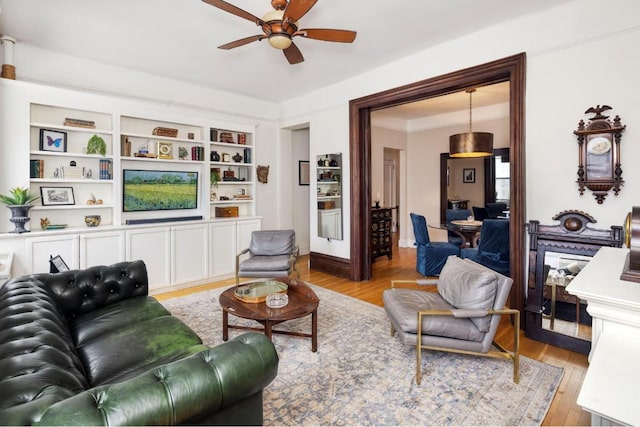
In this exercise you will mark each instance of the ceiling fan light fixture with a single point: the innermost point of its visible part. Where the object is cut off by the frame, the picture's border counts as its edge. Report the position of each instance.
(471, 144)
(273, 15)
(280, 41)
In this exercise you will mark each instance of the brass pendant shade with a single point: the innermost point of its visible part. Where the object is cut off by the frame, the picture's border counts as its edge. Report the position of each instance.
(471, 144)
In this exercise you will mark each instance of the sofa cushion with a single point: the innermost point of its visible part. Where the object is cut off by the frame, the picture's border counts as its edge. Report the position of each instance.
(81, 291)
(38, 363)
(402, 305)
(266, 263)
(120, 340)
(272, 242)
(464, 285)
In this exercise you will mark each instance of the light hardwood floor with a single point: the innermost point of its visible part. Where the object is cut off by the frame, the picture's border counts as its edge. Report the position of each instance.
(563, 410)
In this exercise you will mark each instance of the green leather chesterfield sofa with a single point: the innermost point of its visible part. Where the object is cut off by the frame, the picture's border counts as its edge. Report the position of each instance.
(90, 347)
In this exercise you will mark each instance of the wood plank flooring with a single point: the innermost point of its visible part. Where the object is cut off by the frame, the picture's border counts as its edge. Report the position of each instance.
(563, 410)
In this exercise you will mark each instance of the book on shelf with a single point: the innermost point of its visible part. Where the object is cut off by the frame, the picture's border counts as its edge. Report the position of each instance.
(106, 169)
(197, 153)
(79, 123)
(36, 168)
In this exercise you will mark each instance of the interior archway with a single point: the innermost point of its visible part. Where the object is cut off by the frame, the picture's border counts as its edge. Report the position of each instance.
(511, 69)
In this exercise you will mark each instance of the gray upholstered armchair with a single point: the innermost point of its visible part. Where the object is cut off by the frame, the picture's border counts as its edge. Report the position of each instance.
(461, 317)
(272, 253)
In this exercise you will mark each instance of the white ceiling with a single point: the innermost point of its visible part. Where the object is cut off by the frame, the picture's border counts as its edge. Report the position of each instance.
(178, 39)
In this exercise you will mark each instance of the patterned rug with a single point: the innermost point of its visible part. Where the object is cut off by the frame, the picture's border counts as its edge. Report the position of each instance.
(362, 376)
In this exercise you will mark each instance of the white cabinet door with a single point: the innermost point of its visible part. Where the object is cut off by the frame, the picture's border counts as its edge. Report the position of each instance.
(189, 248)
(104, 248)
(153, 246)
(222, 249)
(41, 248)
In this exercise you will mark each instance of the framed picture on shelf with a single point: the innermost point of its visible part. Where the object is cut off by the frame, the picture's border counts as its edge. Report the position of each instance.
(469, 175)
(303, 172)
(57, 264)
(53, 140)
(54, 196)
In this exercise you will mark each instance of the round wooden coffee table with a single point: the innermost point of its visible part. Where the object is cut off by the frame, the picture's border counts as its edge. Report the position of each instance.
(302, 302)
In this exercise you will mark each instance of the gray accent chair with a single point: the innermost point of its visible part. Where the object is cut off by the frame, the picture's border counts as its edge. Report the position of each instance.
(272, 253)
(461, 317)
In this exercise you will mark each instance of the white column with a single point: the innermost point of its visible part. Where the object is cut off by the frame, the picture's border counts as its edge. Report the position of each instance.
(8, 69)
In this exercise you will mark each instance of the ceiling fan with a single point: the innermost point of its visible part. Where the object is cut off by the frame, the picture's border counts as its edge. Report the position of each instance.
(281, 25)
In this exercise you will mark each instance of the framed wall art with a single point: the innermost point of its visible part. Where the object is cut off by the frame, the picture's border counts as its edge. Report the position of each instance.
(469, 175)
(303, 172)
(53, 140)
(53, 196)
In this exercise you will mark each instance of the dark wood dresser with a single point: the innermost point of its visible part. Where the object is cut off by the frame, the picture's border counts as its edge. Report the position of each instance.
(381, 219)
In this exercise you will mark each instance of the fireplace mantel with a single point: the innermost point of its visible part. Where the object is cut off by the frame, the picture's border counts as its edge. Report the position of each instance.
(611, 383)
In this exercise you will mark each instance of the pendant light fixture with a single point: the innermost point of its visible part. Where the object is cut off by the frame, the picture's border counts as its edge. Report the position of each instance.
(471, 144)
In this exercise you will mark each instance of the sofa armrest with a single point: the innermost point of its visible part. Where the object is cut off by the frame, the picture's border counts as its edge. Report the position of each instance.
(180, 392)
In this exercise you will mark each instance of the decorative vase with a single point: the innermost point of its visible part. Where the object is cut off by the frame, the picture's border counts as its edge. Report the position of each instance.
(215, 157)
(19, 217)
(237, 158)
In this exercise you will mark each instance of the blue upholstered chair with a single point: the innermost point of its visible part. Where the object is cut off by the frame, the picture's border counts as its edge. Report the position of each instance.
(493, 250)
(453, 215)
(480, 213)
(431, 256)
(496, 209)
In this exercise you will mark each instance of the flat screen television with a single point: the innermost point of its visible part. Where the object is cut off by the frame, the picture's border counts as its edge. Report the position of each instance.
(152, 190)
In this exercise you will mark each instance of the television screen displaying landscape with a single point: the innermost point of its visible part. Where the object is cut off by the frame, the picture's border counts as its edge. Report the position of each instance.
(147, 190)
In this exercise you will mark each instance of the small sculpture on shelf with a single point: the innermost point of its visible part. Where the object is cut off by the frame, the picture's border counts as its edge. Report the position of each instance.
(94, 201)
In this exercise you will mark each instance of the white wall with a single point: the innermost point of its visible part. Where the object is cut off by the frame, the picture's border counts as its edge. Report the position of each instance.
(575, 59)
(301, 193)
(562, 82)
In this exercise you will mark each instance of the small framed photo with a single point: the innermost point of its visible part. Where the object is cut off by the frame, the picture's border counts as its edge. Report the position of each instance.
(303, 172)
(57, 264)
(53, 140)
(469, 175)
(52, 196)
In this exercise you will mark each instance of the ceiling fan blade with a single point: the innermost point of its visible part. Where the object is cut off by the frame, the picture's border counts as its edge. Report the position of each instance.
(242, 42)
(293, 54)
(296, 9)
(328, 35)
(227, 7)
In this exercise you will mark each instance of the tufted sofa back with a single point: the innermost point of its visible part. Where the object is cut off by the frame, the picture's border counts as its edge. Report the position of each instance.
(77, 292)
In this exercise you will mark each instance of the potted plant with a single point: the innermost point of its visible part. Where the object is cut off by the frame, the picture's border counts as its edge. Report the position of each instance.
(96, 145)
(19, 201)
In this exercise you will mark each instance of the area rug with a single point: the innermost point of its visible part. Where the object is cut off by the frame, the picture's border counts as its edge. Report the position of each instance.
(360, 375)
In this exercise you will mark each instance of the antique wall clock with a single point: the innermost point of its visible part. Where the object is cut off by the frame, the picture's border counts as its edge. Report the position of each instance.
(599, 167)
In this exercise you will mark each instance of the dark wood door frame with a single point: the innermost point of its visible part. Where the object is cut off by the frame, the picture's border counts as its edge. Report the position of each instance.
(511, 69)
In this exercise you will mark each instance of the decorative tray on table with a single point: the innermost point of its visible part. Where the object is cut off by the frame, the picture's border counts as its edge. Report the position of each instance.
(257, 292)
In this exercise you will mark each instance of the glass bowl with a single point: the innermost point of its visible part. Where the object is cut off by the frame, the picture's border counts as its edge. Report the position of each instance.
(278, 300)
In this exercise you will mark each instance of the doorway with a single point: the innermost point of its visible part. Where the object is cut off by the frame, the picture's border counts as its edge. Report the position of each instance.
(511, 69)
(390, 185)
